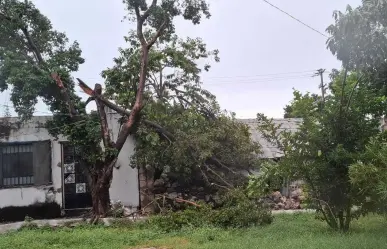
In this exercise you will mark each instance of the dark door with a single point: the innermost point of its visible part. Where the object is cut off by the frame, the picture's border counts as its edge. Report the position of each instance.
(76, 191)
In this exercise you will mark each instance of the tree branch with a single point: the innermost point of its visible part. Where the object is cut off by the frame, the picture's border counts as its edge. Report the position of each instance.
(161, 130)
(218, 163)
(32, 45)
(204, 111)
(221, 178)
(73, 113)
(352, 92)
(155, 85)
(140, 23)
(30, 42)
(4, 16)
(138, 104)
(38, 56)
(147, 12)
(125, 112)
(102, 115)
(158, 32)
(161, 83)
(342, 90)
(105, 101)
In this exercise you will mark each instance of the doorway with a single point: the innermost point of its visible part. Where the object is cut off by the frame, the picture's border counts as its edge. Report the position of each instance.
(76, 191)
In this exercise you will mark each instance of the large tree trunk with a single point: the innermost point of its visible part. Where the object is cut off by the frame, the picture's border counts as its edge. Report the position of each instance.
(101, 200)
(100, 186)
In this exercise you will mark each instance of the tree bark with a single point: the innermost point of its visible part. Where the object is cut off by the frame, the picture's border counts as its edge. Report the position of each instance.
(100, 194)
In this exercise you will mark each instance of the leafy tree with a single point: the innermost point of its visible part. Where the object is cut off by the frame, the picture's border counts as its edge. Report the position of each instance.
(204, 146)
(358, 39)
(369, 176)
(327, 143)
(358, 35)
(173, 72)
(29, 48)
(302, 105)
(32, 55)
(218, 150)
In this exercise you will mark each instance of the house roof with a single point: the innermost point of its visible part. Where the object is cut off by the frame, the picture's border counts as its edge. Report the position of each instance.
(268, 149)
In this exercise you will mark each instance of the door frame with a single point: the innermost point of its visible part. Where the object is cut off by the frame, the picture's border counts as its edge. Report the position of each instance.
(61, 143)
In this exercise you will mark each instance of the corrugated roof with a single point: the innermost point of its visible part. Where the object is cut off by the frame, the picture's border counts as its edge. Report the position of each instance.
(268, 149)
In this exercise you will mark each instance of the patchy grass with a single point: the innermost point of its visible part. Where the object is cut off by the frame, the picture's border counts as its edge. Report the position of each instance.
(287, 231)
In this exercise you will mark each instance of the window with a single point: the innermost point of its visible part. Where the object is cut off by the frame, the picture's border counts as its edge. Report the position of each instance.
(17, 165)
(24, 164)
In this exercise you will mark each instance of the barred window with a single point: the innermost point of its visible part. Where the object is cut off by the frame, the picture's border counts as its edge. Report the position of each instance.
(17, 165)
(23, 164)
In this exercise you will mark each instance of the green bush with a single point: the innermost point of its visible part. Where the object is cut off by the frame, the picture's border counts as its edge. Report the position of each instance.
(190, 217)
(235, 210)
(117, 210)
(123, 222)
(28, 224)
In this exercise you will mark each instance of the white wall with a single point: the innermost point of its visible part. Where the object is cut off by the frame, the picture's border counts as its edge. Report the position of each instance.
(24, 196)
(124, 186)
(29, 132)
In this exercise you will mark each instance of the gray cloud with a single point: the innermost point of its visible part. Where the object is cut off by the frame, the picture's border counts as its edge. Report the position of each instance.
(254, 39)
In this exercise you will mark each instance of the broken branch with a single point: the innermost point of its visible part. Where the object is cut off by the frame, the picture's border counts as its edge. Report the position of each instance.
(102, 115)
(65, 94)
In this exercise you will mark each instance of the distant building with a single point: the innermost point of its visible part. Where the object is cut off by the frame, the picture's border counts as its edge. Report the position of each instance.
(270, 150)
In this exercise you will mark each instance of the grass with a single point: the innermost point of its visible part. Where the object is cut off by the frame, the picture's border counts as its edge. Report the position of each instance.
(288, 231)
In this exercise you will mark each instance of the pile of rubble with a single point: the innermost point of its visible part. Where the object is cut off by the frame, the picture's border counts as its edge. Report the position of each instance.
(279, 202)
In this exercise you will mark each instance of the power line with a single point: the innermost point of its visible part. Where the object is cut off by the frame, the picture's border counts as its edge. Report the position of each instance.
(248, 76)
(257, 80)
(260, 75)
(254, 78)
(298, 20)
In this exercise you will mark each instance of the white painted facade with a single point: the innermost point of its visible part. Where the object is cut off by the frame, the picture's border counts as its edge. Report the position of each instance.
(125, 179)
(125, 186)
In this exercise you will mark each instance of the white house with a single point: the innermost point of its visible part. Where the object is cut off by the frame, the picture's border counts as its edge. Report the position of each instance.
(36, 168)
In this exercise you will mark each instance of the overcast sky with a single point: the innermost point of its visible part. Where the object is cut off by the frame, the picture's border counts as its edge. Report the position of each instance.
(264, 53)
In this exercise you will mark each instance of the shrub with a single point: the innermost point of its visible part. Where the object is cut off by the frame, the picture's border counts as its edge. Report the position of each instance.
(117, 209)
(123, 222)
(239, 211)
(189, 217)
(28, 224)
(235, 210)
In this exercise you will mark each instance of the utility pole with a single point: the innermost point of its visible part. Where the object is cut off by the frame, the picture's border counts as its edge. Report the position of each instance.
(322, 85)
